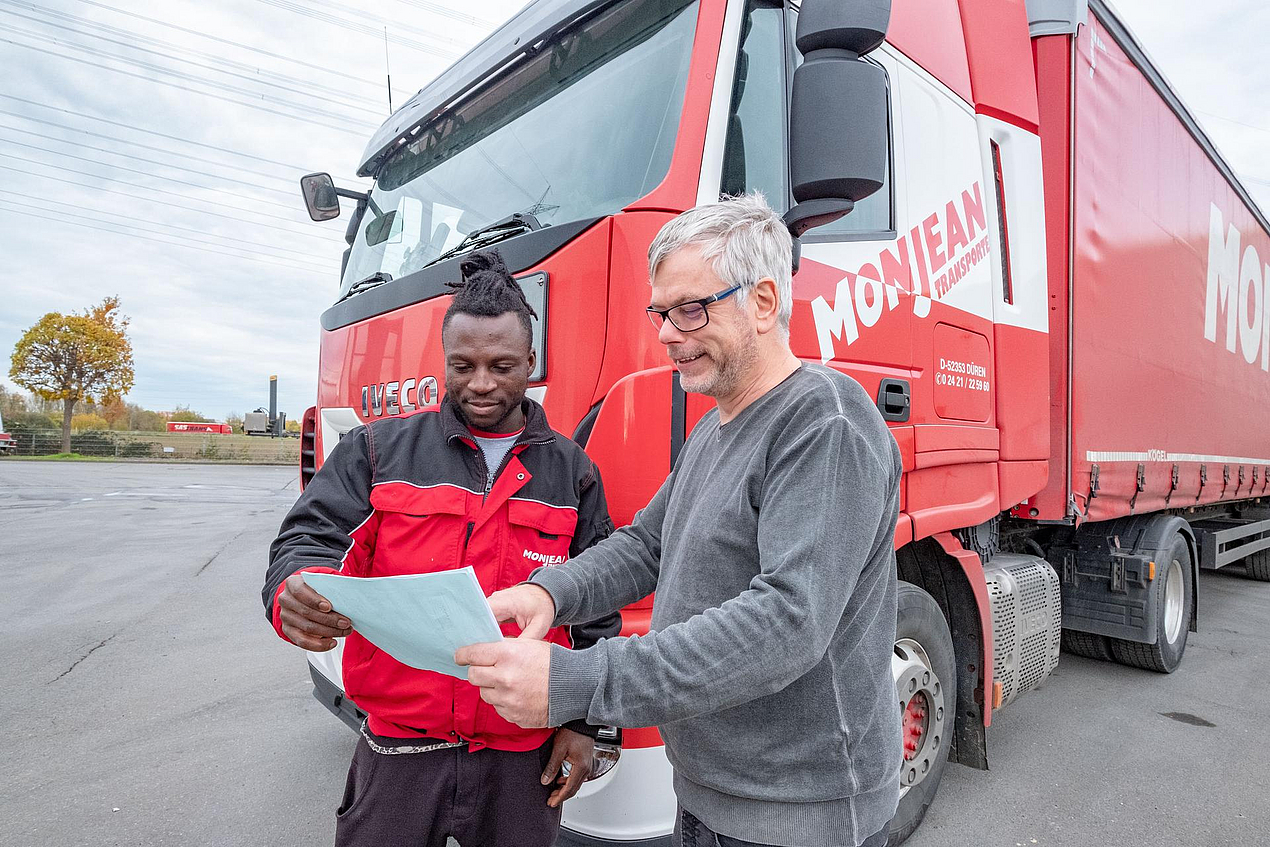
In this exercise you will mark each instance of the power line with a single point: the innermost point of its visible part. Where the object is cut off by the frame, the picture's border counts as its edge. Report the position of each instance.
(364, 29)
(453, 15)
(186, 245)
(156, 133)
(252, 74)
(164, 226)
(81, 146)
(357, 129)
(79, 131)
(159, 69)
(1232, 120)
(395, 23)
(232, 43)
(145, 199)
(150, 175)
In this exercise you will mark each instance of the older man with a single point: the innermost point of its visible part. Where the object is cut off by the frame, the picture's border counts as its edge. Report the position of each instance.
(770, 546)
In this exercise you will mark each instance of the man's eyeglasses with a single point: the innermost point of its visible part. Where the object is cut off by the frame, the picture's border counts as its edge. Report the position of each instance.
(690, 316)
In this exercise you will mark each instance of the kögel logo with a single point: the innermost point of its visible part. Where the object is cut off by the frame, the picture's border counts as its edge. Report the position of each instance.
(393, 398)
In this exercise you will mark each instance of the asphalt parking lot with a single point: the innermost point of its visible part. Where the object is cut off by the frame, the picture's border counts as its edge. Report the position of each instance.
(149, 703)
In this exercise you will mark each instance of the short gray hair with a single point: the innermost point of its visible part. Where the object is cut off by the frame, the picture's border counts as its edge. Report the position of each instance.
(742, 238)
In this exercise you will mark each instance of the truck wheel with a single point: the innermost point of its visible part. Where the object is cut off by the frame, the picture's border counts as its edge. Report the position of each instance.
(925, 671)
(1174, 598)
(1258, 565)
(1087, 644)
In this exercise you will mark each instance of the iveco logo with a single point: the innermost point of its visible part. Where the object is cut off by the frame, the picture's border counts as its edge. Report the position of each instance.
(1034, 623)
(393, 398)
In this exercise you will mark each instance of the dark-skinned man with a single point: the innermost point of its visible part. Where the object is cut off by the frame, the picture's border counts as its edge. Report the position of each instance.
(483, 481)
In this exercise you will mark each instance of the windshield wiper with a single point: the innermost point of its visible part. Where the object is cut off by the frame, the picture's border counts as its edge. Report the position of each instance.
(514, 224)
(376, 279)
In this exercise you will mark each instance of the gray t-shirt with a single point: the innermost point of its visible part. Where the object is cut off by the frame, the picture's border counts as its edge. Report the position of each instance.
(494, 448)
(768, 664)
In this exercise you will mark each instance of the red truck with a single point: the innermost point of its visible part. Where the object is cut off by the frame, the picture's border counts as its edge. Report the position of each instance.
(1049, 278)
(7, 443)
(196, 426)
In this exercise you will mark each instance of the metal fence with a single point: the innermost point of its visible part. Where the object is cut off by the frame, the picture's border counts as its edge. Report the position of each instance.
(161, 446)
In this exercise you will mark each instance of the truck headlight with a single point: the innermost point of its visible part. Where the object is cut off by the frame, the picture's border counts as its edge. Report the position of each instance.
(603, 759)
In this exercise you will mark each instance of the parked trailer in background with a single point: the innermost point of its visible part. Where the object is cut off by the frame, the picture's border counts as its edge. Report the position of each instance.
(196, 426)
(7, 444)
(1051, 281)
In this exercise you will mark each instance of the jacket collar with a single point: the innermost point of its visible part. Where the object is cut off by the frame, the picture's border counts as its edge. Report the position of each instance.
(536, 429)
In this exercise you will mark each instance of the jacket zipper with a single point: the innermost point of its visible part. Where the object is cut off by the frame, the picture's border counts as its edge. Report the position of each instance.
(466, 539)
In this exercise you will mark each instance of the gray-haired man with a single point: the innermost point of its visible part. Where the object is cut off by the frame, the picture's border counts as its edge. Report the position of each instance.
(770, 547)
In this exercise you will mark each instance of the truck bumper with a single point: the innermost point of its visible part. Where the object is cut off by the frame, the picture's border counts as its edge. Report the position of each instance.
(569, 838)
(332, 697)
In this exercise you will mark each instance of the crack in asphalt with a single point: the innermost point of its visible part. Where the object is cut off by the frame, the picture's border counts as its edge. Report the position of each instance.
(74, 664)
(222, 549)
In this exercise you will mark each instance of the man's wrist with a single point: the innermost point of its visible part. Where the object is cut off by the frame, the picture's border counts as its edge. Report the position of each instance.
(581, 727)
(573, 679)
(560, 587)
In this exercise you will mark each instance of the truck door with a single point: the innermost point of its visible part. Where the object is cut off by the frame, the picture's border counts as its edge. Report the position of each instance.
(955, 437)
(853, 306)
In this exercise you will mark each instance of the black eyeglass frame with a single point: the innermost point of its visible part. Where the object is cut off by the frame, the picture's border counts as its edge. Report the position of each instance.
(704, 302)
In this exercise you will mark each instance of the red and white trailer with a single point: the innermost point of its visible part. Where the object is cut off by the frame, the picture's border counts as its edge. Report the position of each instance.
(1058, 295)
(200, 426)
(7, 443)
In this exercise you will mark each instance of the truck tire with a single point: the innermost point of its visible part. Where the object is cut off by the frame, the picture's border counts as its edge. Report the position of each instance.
(1087, 644)
(1174, 598)
(1258, 565)
(925, 670)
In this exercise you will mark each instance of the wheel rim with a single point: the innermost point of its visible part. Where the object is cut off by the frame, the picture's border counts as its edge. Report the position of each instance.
(1174, 601)
(922, 713)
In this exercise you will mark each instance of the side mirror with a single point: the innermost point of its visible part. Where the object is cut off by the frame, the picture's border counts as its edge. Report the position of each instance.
(320, 196)
(837, 155)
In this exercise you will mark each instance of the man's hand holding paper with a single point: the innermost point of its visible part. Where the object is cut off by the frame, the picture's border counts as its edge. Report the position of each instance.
(418, 619)
(308, 619)
(512, 675)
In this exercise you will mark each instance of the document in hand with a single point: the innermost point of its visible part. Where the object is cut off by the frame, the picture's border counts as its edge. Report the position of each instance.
(420, 619)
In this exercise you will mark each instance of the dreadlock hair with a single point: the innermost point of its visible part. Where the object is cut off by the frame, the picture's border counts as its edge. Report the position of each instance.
(487, 290)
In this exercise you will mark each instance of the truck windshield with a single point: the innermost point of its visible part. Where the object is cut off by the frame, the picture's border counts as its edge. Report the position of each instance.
(581, 129)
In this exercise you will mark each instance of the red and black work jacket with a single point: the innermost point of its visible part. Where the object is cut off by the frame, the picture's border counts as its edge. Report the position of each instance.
(407, 495)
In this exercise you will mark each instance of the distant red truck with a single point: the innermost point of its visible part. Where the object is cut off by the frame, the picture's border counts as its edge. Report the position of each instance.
(193, 426)
(7, 444)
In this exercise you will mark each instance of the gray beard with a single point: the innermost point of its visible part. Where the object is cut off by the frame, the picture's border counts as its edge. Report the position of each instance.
(727, 374)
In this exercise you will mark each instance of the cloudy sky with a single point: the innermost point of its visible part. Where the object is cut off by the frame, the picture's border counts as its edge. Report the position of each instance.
(152, 150)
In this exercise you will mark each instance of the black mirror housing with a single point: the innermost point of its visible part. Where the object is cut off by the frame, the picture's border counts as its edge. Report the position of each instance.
(857, 26)
(839, 155)
(320, 197)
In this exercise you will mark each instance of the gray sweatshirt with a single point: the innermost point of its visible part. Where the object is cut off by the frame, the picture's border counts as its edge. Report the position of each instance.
(768, 664)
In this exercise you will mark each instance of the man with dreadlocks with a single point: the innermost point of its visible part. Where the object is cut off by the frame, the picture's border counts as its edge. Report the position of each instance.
(482, 481)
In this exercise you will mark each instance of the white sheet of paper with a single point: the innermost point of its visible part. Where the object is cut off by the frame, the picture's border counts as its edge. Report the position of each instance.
(420, 619)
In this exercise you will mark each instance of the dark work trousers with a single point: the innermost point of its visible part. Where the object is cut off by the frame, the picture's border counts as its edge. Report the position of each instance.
(690, 832)
(490, 798)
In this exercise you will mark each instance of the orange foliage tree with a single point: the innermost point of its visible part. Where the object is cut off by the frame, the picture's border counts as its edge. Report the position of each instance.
(84, 356)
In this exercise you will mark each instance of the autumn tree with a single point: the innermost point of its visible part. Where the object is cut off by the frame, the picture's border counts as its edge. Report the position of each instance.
(185, 413)
(115, 411)
(75, 357)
